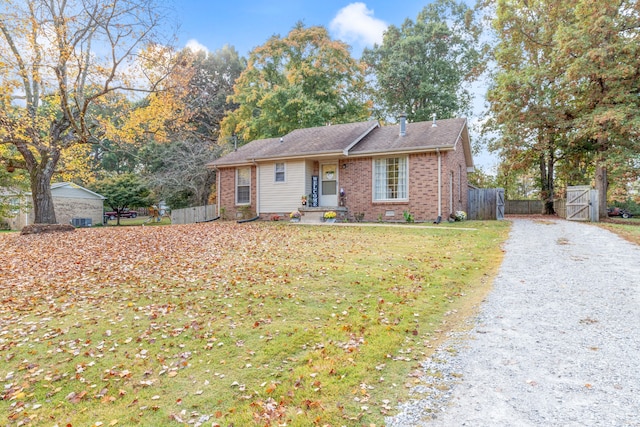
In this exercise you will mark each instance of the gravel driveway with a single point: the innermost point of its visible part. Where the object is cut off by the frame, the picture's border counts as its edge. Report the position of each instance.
(556, 342)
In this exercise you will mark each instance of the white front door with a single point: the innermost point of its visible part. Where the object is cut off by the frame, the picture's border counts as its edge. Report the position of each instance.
(329, 184)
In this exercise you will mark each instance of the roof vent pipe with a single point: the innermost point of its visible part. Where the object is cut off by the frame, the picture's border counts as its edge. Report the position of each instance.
(434, 125)
(403, 124)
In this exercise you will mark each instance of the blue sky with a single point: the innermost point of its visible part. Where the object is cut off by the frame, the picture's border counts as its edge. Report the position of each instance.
(246, 24)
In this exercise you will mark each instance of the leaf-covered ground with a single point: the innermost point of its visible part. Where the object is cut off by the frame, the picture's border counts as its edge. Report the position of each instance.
(227, 324)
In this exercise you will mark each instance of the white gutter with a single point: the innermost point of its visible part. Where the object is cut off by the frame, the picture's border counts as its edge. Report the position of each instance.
(403, 151)
(439, 183)
(218, 181)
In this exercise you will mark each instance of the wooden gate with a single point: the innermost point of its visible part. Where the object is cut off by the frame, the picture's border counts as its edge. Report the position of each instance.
(578, 203)
(485, 203)
(499, 203)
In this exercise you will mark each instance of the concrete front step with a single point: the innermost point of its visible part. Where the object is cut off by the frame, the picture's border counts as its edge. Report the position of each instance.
(311, 217)
(316, 215)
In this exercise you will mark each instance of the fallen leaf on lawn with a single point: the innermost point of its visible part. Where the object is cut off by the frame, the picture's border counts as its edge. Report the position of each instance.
(74, 397)
(271, 388)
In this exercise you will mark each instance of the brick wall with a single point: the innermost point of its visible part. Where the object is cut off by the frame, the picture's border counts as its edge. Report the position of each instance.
(455, 161)
(357, 181)
(227, 185)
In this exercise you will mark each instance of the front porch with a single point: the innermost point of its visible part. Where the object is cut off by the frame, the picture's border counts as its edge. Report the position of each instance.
(315, 215)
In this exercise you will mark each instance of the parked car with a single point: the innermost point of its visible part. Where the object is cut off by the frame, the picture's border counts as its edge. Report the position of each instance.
(125, 213)
(619, 212)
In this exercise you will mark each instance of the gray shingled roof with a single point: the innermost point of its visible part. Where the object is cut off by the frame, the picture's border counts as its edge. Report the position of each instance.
(301, 142)
(246, 153)
(358, 138)
(421, 135)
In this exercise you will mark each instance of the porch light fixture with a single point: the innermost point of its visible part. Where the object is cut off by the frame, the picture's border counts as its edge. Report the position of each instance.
(344, 166)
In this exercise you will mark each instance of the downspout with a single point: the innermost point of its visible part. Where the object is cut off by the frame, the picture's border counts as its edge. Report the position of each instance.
(439, 183)
(257, 187)
(218, 181)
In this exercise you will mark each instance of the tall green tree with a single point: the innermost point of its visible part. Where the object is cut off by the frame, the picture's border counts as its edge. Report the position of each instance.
(123, 191)
(59, 58)
(211, 85)
(422, 67)
(302, 80)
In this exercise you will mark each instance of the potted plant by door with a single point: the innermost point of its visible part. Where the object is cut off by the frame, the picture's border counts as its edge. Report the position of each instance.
(295, 216)
(330, 217)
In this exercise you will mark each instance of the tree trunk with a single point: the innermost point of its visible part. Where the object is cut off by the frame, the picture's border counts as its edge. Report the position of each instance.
(41, 189)
(602, 178)
(602, 185)
(42, 199)
(546, 179)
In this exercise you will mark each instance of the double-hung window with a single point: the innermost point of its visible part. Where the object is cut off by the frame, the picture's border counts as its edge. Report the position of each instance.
(243, 186)
(390, 179)
(279, 172)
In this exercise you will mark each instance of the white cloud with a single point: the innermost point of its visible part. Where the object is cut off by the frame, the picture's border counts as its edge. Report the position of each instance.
(196, 46)
(356, 24)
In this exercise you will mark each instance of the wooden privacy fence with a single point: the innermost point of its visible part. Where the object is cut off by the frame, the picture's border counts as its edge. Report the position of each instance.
(486, 203)
(193, 215)
(523, 207)
(534, 207)
(560, 206)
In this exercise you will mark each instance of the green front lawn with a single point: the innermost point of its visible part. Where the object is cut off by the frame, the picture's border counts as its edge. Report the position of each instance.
(626, 228)
(146, 220)
(260, 324)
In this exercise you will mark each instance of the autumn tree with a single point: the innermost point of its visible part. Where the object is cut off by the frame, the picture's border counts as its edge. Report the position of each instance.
(422, 67)
(60, 58)
(177, 171)
(527, 113)
(302, 80)
(599, 51)
(565, 91)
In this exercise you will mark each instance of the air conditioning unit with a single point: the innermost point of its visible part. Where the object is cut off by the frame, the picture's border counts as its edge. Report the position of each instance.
(81, 222)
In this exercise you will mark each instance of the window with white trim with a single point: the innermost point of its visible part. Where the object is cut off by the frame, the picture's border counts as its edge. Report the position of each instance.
(243, 186)
(390, 179)
(279, 172)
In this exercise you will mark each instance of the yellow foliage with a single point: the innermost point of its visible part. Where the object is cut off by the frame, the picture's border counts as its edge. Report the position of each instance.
(75, 165)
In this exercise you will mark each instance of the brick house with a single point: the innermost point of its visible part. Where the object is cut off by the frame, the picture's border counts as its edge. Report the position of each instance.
(362, 171)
